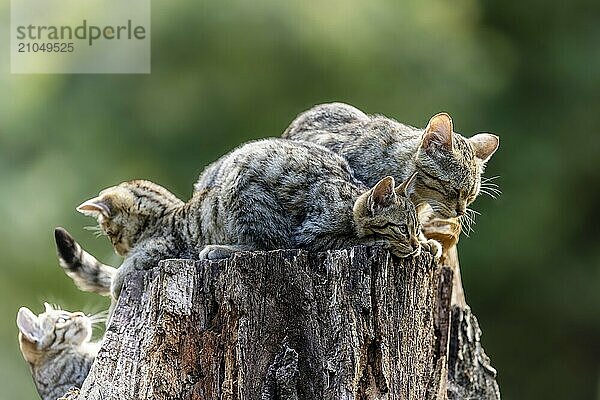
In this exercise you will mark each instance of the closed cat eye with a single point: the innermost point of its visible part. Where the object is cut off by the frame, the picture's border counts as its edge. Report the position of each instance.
(62, 320)
(397, 229)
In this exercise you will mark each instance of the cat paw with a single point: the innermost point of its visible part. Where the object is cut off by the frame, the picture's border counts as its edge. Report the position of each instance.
(434, 248)
(72, 394)
(216, 252)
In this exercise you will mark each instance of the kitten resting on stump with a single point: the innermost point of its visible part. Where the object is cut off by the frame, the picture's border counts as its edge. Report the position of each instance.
(448, 165)
(338, 178)
(270, 194)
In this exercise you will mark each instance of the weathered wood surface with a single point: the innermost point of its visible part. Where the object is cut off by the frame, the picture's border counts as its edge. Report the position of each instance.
(350, 324)
(470, 374)
(447, 233)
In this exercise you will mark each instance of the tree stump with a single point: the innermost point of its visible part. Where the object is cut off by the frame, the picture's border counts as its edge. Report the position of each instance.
(470, 374)
(286, 324)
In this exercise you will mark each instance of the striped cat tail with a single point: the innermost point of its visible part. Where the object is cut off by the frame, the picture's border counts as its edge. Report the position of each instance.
(89, 274)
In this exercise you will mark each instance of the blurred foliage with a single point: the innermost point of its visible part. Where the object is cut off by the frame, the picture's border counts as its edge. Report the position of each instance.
(224, 73)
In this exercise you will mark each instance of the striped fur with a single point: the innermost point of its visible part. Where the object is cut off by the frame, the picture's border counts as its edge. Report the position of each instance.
(89, 274)
(448, 165)
(56, 345)
(265, 195)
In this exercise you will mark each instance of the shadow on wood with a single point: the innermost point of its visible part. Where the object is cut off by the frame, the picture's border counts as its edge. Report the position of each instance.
(286, 324)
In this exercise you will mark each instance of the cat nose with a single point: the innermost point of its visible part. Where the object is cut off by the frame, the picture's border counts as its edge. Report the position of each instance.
(459, 211)
(414, 244)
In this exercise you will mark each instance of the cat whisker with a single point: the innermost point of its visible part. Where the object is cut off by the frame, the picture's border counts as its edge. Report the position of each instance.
(492, 189)
(492, 194)
(465, 225)
(485, 179)
(99, 315)
(489, 184)
(469, 218)
(96, 230)
(97, 323)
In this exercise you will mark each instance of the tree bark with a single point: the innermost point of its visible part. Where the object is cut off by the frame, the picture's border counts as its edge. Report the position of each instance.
(470, 374)
(287, 324)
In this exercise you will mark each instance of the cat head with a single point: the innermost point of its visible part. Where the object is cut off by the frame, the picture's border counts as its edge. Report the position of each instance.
(449, 167)
(51, 331)
(128, 211)
(387, 212)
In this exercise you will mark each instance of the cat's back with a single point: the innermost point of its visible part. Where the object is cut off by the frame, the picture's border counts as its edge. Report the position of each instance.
(271, 159)
(327, 116)
(277, 179)
(336, 125)
(208, 176)
(280, 164)
(265, 191)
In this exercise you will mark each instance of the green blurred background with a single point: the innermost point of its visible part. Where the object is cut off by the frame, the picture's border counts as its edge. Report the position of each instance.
(227, 72)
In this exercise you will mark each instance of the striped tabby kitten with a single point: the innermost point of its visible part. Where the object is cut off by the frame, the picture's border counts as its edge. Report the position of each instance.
(56, 345)
(448, 165)
(269, 194)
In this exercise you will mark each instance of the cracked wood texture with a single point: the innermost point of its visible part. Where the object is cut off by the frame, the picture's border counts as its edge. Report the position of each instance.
(470, 373)
(286, 324)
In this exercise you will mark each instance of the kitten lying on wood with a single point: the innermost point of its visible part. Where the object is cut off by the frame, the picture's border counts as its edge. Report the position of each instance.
(448, 165)
(269, 194)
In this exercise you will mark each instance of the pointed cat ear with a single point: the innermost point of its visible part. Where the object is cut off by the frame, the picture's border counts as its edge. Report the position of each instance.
(402, 189)
(94, 207)
(383, 194)
(485, 145)
(48, 308)
(438, 133)
(28, 325)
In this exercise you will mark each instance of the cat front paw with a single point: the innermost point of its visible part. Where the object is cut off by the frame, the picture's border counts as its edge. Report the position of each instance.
(433, 247)
(72, 394)
(216, 252)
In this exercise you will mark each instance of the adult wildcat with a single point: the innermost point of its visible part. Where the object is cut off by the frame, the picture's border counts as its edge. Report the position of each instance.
(269, 194)
(56, 345)
(448, 165)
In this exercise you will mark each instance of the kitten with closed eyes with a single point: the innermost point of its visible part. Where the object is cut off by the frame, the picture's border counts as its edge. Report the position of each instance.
(58, 348)
(269, 194)
(448, 165)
